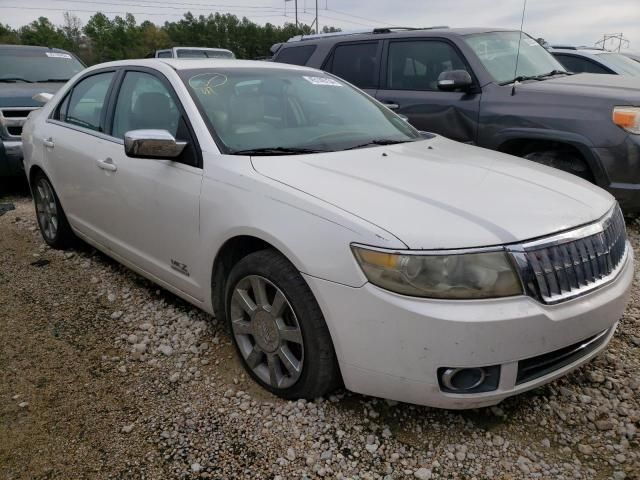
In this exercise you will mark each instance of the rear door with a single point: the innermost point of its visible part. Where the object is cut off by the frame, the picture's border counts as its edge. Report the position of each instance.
(74, 135)
(358, 63)
(409, 86)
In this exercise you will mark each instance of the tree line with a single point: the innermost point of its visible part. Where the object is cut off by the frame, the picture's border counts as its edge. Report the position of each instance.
(103, 39)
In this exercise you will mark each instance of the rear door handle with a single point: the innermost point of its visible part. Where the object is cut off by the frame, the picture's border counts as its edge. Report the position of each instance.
(391, 105)
(48, 142)
(107, 164)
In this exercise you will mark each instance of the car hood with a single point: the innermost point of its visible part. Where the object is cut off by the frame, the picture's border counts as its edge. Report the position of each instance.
(19, 94)
(618, 87)
(440, 194)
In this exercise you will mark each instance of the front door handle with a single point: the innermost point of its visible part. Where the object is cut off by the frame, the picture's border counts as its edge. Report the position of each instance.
(107, 164)
(48, 142)
(391, 105)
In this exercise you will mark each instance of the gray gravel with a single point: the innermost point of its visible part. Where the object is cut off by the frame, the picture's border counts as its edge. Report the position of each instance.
(198, 416)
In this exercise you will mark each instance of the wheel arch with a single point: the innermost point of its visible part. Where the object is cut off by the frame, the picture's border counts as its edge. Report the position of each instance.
(517, 141)
(231, 251)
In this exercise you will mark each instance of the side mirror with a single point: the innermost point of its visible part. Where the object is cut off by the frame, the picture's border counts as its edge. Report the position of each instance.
(454, 80)
(43, 97)
(152, 144)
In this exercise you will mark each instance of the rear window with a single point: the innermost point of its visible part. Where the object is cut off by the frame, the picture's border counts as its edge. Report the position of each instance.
(356, 63)
(296, 55)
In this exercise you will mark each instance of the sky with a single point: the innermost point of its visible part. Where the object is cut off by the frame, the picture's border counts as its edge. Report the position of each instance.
(575, 22)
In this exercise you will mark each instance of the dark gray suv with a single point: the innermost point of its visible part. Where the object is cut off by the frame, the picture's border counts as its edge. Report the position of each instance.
(463, 84)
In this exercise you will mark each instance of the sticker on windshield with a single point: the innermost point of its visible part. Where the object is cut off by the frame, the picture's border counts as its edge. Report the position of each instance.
(207, 82)
(322, 81)
(57, 55)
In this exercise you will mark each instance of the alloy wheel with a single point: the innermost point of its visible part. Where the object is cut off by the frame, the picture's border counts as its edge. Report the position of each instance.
(46, 209)
(267, 331)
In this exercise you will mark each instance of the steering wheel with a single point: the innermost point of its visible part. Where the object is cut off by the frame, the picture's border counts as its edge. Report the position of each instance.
(336, 134)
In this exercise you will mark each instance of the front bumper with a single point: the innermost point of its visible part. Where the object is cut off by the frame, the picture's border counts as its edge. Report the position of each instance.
(11, 158)
(391, 346)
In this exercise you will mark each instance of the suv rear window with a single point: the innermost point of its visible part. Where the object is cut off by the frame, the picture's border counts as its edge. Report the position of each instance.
(296, 55)
(357, 63)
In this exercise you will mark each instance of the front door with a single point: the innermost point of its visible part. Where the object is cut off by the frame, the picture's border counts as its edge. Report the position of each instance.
(154, 203)
(410, 87)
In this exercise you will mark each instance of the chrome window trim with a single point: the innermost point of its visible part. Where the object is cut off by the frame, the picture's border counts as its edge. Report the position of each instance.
(93, 133)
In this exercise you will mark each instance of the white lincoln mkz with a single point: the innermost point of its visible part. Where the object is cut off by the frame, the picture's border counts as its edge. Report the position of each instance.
(339, 244)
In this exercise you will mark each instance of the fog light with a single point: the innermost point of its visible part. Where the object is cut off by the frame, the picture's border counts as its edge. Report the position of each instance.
(469, 380)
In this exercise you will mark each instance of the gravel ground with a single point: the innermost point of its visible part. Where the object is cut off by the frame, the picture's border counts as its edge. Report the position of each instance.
(103, 375)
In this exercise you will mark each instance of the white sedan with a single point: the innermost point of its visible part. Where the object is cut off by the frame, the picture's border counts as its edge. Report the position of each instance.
(339, 244)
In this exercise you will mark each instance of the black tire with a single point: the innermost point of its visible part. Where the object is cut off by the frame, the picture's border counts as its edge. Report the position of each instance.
(63, 236)
(562, 160)
(319, 368)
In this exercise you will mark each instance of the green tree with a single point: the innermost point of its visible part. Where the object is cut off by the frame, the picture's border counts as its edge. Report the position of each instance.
(42, 32)
(8, 34)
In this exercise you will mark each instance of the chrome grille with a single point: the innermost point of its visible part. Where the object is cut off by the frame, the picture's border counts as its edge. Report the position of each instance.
(573, 263)
(12, 119)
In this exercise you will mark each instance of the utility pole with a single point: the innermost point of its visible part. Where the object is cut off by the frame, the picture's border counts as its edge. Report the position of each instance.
(622, 41)
(296, 6)
(317, 27)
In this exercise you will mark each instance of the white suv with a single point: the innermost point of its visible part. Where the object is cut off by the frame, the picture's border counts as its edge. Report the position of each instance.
(338, 243)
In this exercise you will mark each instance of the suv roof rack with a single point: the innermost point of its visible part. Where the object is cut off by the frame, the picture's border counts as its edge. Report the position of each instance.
(314, 36)
(579, 47)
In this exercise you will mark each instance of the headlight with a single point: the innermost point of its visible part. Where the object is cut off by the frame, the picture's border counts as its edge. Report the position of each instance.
(455, 276)
(627, 118)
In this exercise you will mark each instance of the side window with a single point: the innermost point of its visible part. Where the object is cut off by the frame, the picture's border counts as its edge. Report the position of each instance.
(165, 54)
(416, 65)
(579, 65)
(87, 101)
(296, 55)
(356, 63)
(61, 111)
(144, 102)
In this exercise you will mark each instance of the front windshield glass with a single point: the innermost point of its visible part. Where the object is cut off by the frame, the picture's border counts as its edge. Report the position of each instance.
(25, 65)
(498, 51)
(621, 64)
(279, 111)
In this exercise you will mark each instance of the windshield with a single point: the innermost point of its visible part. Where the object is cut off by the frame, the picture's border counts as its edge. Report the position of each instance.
(195, 53)
(280, 111)
(26, 65)
(621, 64)
(498, 50)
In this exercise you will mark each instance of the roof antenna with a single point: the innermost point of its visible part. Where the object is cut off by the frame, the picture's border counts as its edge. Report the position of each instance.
(515, 73)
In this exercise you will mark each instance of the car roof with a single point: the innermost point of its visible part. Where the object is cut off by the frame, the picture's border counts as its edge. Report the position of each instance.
(32, 48)
(195, 63)
(198, 48)
(393, 33)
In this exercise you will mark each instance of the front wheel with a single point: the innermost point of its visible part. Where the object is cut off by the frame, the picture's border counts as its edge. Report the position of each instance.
(278, 328)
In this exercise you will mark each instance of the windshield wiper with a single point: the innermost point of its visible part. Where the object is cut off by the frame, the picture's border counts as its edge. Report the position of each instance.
(377, 142)
(521, 78)
(276, 151)
(14, 79)
(540, 77)
(53, 80)
(554, 72)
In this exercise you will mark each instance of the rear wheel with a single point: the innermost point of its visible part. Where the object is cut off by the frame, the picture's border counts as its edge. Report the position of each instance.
(52, 221)
(562, 160)
(278, 328)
